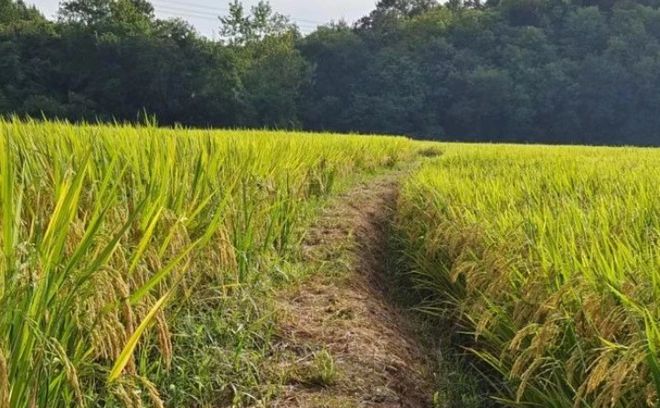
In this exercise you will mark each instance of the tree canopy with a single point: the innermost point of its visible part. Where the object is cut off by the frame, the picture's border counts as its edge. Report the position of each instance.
(551, 71)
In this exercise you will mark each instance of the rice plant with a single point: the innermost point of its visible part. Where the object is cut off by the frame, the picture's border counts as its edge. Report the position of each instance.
(550, 258)
(107, 230)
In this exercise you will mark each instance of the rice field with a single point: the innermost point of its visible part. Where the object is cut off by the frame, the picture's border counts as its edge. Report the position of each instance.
(549, 257)
(137, 263)
(110, 233)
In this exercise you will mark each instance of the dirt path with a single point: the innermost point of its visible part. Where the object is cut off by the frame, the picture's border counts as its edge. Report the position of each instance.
(348, 346)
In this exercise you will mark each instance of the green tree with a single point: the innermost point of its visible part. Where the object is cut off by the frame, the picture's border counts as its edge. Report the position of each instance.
(272, 70)
(14, 12)
(241, 28)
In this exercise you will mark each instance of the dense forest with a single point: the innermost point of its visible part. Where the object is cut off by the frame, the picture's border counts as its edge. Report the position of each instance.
(552, 71)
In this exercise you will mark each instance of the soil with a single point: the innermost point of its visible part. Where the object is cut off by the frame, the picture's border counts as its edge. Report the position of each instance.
(343, 310)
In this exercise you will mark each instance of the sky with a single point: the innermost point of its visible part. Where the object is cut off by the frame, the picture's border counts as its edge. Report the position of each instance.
(202, 14)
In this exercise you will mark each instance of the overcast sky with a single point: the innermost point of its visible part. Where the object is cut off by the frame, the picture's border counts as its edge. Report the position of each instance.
(203, 13)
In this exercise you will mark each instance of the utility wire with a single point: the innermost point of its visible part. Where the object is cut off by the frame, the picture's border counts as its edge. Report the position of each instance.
(180, 15)
(184, 12)
(217, 11)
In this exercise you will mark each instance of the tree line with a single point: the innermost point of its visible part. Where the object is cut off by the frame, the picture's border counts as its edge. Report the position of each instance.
(551, 71)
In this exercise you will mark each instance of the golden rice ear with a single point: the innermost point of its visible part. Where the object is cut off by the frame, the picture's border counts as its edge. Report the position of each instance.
(127, 353)
(152, 393)
(126, 398)
(164, 339)
(226, 251)
(4, 381)
(651, 396)
(70, 371)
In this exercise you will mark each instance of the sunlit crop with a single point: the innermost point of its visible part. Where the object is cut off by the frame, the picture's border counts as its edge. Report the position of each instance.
(107, 230)
(550, 256)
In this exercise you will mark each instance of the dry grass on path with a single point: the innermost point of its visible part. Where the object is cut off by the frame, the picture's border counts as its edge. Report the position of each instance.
(346, 345)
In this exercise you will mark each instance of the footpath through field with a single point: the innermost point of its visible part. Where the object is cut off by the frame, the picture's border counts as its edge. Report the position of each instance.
(347, 345)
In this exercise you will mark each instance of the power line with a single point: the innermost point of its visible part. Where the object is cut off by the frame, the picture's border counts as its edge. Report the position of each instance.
(176, 14)
(218, 10)
(185, 12)
(191, 5)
